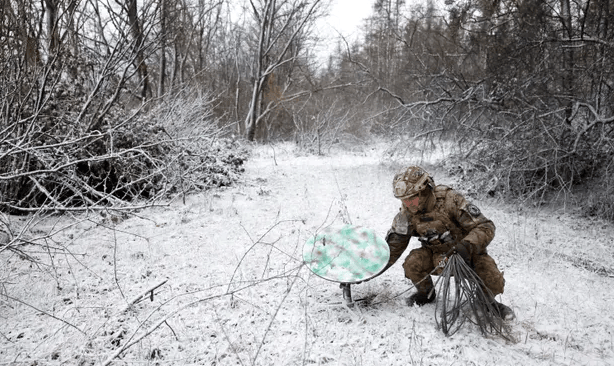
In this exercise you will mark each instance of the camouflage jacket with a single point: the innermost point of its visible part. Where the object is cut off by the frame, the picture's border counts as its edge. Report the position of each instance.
(450, 212)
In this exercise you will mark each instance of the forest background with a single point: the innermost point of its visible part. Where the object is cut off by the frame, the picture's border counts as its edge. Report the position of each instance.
(104, 103)
(113, 112)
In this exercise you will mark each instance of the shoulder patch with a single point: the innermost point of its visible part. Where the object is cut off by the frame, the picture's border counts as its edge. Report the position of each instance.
(473, 210)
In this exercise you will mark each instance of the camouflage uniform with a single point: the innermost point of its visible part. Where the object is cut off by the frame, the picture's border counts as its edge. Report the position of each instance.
(445, 223)
(444, 211)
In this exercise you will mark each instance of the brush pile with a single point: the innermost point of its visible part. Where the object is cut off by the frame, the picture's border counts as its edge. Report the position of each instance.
(57, 164)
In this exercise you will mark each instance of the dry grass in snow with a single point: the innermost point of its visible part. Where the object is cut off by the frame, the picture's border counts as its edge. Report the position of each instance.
(229, 287)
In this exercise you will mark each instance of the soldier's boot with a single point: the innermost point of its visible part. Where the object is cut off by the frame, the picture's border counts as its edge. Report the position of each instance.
(420, 298)
(502, 311)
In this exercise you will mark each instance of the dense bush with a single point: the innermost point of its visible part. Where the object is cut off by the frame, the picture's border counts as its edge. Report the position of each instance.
(536, 156)
(49, 162)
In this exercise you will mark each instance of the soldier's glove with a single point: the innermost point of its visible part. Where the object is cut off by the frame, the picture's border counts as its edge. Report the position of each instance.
(430, 236)
(446, 238)
(464, 250)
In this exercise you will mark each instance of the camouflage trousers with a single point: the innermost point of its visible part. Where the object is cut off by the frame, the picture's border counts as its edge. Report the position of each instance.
(422, 261)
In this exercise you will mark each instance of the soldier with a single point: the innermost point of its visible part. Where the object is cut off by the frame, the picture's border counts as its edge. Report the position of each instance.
(444, 221)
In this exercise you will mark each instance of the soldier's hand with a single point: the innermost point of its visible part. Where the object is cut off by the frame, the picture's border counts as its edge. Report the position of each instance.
(430, 236)
(446, 238)
(464, 250)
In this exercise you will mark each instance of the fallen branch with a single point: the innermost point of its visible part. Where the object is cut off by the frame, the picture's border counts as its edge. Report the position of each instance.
(44, 312)
(170, 315)
(149, 291)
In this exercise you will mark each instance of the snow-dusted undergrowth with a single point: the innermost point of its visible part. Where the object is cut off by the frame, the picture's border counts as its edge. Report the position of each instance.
(233, 290)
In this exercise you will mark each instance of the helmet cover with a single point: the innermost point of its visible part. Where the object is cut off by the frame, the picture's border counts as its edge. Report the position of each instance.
(411, 182)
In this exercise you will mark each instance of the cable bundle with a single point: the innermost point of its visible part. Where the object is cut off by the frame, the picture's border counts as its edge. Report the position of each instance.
(464, 298)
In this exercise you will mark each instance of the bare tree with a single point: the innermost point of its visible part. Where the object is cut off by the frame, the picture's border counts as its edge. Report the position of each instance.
(280, 25)
(567, 74)
(163, 34)
(136, 28)
(52, 9)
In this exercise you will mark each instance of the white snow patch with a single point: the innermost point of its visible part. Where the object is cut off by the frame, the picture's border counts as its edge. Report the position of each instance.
(237, 292)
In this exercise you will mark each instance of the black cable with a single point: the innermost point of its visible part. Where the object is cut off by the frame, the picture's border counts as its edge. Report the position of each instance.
(464, 297)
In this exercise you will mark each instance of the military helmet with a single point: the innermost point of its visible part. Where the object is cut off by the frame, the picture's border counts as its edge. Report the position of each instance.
(411, 182)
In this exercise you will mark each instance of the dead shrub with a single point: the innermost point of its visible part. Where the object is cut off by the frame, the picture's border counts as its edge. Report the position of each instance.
(48, 162)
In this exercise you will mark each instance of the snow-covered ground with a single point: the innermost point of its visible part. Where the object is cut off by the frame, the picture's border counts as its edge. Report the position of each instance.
(236, 292)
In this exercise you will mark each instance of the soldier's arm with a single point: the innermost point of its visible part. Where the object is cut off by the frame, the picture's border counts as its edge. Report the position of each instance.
(398, 237)
(480, 229)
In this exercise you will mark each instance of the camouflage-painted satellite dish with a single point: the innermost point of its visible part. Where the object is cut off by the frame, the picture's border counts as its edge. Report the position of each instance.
(347, 254)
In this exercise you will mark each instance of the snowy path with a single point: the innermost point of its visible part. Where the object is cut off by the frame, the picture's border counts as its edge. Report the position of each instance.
(237, 293)
(564, 312)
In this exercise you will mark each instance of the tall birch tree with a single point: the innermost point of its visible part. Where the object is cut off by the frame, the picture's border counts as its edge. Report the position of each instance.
(279, 24)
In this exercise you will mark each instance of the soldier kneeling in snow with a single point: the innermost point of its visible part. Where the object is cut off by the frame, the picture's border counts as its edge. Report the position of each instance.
(445, 222)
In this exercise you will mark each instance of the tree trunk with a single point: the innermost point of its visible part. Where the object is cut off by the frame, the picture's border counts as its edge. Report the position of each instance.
(567, 77)
(254, 108)
(265, 18)
(604, 14)
(52, 25)
(137, 34)
(162, 48)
